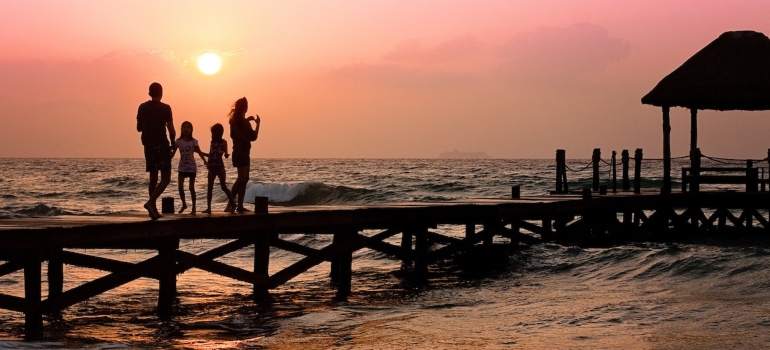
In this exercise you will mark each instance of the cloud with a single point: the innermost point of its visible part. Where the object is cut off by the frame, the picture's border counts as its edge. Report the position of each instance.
(413, 50)
(389, 75)
(568, 52)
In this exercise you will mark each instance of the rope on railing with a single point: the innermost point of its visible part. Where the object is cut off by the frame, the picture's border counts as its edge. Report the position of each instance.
(672, 158)
(577, 171)
(733, 160)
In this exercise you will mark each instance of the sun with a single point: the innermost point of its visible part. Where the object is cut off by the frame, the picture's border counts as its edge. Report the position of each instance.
(209, 63)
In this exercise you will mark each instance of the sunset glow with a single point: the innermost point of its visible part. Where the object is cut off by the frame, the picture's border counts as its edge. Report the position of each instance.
(209, 63)
(367, 79)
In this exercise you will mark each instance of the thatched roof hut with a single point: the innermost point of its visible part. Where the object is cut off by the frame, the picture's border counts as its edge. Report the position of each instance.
(730, 73)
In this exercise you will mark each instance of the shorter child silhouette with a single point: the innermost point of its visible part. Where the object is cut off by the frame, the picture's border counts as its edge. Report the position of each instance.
(216, 166)
(187, 145)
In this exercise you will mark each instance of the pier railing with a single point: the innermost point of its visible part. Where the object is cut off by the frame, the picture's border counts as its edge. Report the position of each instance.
(604, 173)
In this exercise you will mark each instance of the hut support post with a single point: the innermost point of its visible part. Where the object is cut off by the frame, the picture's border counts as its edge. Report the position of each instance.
(695, 160)
(624, 161)
(638, 170)
(595, 159)
(261, 264)
(666, 151)
(33, 315)
(693, 129)
(768, 165)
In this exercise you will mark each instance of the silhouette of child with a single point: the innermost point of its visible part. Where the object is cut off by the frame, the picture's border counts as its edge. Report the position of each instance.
(187, 145)
(216, 167)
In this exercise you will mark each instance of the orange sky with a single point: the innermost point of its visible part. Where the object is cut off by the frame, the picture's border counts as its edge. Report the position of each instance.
(367, 79)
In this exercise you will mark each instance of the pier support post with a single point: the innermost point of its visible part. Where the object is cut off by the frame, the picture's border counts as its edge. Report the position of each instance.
(561, 172)
(490, 228)
(595, 159)
(167, 278)
(421, 254)
(55, 274)
(344, 265)
(406, 248)
(624, 160)
(33, 316)
(614, 172)
(262, 241)
(638, 171)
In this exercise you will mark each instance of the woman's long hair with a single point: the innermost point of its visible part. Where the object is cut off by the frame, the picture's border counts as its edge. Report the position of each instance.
(239, 108)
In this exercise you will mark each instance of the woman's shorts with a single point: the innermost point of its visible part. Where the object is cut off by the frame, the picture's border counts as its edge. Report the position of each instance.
(241, 158)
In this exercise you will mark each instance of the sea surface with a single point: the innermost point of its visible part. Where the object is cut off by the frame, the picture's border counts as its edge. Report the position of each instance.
(642, 295)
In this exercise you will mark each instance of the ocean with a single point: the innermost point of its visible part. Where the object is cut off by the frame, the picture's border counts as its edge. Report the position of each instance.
(642, 295)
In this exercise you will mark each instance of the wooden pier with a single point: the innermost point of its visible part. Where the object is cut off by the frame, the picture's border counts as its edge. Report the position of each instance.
(587, 219)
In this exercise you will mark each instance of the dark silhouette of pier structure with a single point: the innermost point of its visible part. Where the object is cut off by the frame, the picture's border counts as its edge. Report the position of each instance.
(587, 218)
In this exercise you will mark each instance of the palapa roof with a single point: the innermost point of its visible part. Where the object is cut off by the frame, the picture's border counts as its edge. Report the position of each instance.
(730, 73)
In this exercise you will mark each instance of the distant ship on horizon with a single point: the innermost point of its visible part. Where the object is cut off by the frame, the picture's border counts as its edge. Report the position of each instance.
(455, 154)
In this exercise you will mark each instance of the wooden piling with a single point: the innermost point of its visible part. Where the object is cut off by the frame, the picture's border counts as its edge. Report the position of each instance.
(614, 173)
(596, 157)
(262, 241)
(406, 248)
(345, 265)
(167, 277)
(33, 315)
(624, 162)
(55, 273)
(561, 172)
(515, 192)
(421, 254)
(638, 171)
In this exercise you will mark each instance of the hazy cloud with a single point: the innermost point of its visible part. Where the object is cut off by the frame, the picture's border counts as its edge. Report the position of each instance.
(413, 50)
(571, 51)
(396, 76)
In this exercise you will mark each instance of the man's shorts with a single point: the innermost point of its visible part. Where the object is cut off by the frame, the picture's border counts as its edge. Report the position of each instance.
(241, 157)
(157, 158)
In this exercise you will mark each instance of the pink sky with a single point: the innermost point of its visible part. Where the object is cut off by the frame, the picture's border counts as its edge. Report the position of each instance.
(367, 79)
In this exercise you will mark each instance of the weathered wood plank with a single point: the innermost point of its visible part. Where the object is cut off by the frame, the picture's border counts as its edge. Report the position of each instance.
(99, 263)
(103, 284)
(218, 268)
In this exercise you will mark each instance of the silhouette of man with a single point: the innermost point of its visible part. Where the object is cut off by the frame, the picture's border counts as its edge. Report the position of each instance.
(152, 120)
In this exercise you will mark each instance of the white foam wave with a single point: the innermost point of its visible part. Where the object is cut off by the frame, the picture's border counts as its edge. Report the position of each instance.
(276, 193)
